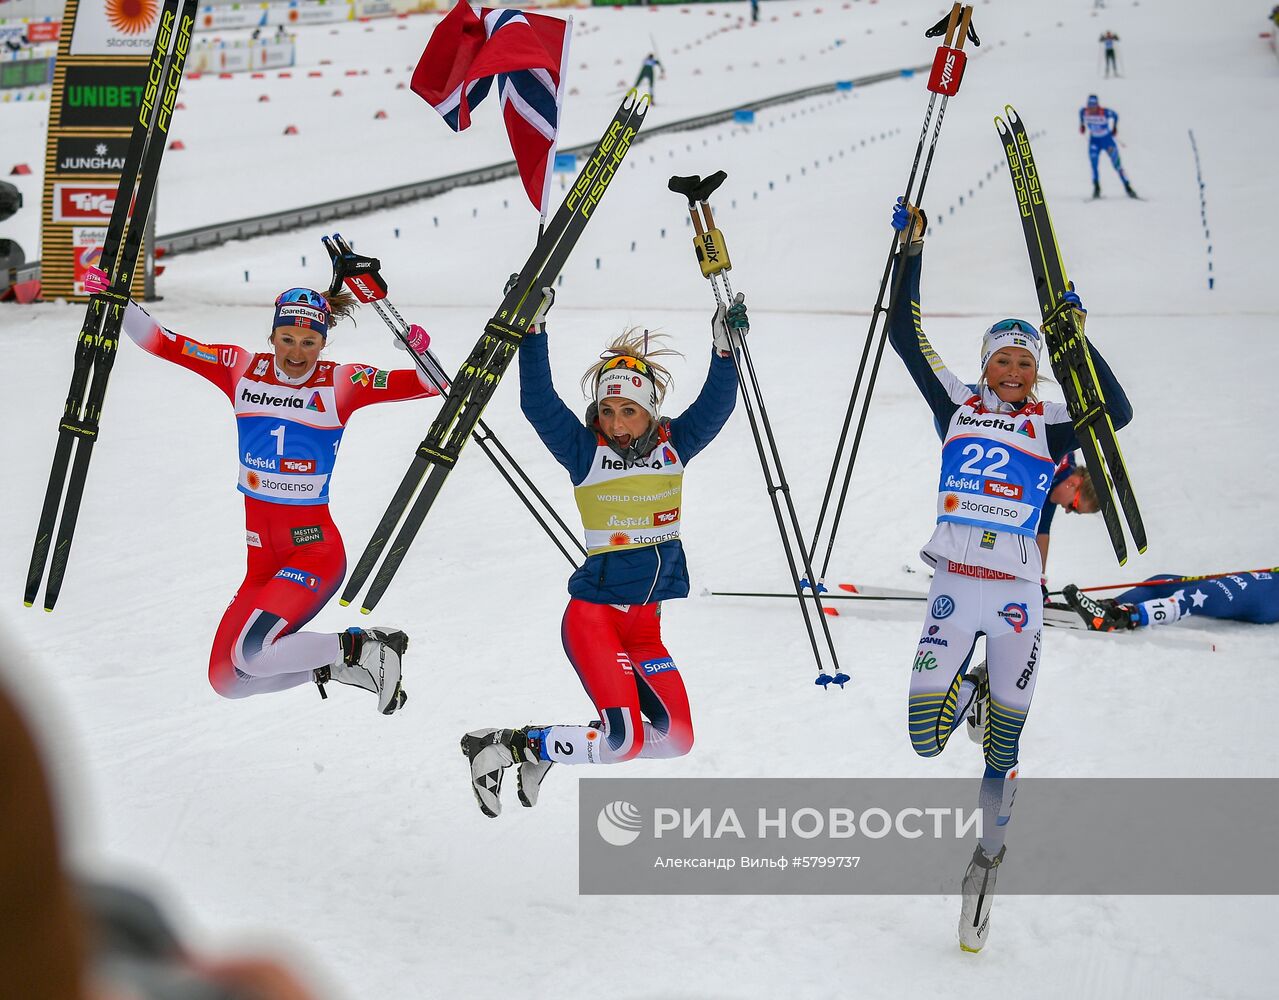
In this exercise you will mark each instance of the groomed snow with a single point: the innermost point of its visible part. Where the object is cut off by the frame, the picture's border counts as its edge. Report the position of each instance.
(352, 839)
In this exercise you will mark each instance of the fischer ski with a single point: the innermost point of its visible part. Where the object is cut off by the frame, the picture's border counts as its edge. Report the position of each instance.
(478, 378)
(100, 333)
(1063, 329)
(362, 277)
(712, 256)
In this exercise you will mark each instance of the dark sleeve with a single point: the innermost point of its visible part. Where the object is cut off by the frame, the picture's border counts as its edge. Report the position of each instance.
(697, 426)
(935, 382)
(1062, 438)
(566, 438)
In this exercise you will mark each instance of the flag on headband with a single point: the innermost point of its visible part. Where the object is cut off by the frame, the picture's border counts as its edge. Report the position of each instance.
(527, 53)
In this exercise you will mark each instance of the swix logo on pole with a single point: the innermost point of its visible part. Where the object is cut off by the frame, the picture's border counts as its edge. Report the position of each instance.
(948, 71)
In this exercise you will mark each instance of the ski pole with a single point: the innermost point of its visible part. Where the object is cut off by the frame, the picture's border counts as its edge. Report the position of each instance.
(712, 256)
(1176, 579)
(947, 73)
(370, 283)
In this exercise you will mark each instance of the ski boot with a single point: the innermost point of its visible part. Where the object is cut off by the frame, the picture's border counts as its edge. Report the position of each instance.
(979, 707)
(1096, 189)
(370, 660)
(1100, 616)
(979, 894)
(1129, 190)
(491, 752)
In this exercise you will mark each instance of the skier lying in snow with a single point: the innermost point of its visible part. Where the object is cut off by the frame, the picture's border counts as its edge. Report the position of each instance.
(1000, 449)
(291, 409)
(627, 466)
(1240, 597)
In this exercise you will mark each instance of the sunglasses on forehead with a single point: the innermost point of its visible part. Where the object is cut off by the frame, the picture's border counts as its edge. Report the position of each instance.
(302, 296)
(1021, 326)
(626, 361)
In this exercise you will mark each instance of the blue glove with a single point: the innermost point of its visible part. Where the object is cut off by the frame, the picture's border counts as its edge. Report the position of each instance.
(901, 215)
(1072, 299)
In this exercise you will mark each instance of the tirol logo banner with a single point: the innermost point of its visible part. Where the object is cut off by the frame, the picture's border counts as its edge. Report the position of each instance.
(915, 836)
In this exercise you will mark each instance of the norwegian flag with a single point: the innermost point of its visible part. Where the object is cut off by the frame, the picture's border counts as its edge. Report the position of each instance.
(528, 54)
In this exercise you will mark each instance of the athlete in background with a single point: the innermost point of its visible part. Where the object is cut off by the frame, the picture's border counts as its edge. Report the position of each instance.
(1000, 449)
(1240, 597)
(626, 462)
(291, 409)
(1107, 41)
(1102, 126)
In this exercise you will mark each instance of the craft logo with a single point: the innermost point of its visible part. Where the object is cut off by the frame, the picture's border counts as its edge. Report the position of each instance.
(316, 403)
(298, 466)
(950, 504)
(1029, 672)
(116, 27)
(1027, 428)
(1009, 491)
(1015, 615)
(666, 517)
(91, 156)
(198, 351)
(619, 823)
(83, 202)
(943, 607)
(308, 580)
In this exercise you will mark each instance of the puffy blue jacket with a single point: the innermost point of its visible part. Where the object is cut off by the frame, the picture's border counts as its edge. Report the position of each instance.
(635, 576)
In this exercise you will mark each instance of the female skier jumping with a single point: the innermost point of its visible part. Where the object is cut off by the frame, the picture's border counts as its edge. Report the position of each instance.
(291, 409)
(1001, 445)
(627, 465)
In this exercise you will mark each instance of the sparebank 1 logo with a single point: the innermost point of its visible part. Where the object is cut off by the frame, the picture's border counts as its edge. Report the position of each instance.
(619, 823)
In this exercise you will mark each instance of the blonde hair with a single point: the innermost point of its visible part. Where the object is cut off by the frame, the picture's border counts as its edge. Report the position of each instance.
(634, 342)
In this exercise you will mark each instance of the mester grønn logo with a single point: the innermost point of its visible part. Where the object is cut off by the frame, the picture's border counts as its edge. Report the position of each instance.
(619, 823)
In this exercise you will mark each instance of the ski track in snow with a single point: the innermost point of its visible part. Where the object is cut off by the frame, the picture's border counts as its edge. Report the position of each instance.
(352, 840)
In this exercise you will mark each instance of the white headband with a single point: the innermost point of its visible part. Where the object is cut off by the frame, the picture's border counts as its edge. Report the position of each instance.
(1010, 333)
(627, 383)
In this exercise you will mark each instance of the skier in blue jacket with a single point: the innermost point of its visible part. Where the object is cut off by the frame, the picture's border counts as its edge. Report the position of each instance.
(1102, 126)
(626, 462)
(1000, 449)
(1164, 599)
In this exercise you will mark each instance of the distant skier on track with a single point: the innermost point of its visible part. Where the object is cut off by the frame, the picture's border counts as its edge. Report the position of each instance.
(291, 409)
(627, 466)
(1107, 41)
(651, 62)
(1000, 449)
(1102, 126)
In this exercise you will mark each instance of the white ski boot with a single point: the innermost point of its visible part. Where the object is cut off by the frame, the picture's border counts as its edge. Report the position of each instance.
(979, 894)
(491, 752)
(370, 660)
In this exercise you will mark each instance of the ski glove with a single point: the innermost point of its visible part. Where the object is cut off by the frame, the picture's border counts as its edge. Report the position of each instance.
(902, 215)
(729, 319)
(548, 299)
(1072, 298)
(96, 281)
(417, 340)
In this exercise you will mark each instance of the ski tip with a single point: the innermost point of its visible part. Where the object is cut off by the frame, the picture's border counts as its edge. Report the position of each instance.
(1001, 126)
(1011, 112)
(850, 587)
(834, 613)
(642, 105)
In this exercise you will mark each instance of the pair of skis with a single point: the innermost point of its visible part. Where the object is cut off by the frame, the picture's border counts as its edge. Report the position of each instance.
(1063, 329)
(944, 81)
(362, 277)
(478, 378)
(100, 333)
(712, 256)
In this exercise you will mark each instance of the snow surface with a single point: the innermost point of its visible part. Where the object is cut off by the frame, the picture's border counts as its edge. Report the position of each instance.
(351, 839)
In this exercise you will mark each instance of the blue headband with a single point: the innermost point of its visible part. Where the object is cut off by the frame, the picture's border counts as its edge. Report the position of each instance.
(303, 307)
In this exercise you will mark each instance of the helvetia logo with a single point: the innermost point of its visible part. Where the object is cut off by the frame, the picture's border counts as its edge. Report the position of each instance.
(619, 823)
(131, 17)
